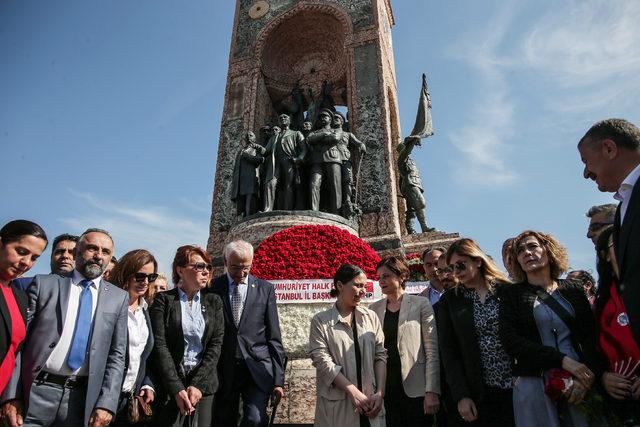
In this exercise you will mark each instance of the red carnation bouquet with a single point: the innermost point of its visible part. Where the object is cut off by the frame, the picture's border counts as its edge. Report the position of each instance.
(557, 383)
(312, 252)
(414, 260)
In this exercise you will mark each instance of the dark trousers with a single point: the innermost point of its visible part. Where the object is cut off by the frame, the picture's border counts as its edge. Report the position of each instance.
(168, 414)
(237, 382)
(55, 405)
(495, 408)
(447, 415)
(404, 411)
(331, 175)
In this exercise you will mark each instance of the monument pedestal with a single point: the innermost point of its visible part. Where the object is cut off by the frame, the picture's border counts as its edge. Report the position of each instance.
(256, 228)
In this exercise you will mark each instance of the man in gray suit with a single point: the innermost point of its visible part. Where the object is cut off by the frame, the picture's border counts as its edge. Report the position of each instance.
(70, 370)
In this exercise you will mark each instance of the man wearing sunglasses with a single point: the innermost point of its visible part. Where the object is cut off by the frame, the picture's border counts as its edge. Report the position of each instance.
(600, 217)
(251, 364)
(445, 274)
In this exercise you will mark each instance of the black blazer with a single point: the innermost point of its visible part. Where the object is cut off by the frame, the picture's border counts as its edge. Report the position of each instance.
(459, 346)
(626, 240)
(258, 335)
(168, 351)
(521, 339)
(144, 377)
(5, 328)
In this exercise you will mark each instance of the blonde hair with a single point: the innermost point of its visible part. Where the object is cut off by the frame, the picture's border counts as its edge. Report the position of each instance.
(556, 253)
(491, 273)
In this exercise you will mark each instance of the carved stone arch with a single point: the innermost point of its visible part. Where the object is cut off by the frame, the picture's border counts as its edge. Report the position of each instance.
(320, 6)
(305, 45)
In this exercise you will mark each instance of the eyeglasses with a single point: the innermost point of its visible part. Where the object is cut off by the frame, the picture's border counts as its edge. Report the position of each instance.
(459, 266)
(139, 277)
(242, 268)
(595, 226)
(201, 266)
(446, 270)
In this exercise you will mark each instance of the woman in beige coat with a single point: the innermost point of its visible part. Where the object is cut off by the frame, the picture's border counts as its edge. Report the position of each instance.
(413, 367)
(350, 373)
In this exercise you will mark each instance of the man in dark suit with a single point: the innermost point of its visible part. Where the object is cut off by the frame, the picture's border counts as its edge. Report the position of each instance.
(610, 151)
(71, 367)
(251, 364)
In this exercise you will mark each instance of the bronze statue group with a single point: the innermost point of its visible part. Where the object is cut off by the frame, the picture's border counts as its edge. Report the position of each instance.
(530, 347)
(301, 170)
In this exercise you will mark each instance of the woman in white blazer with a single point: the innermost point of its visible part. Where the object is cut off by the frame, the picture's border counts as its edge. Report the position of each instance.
(413, 367)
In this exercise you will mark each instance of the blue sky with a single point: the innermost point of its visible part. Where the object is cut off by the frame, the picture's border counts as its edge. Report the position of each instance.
(110, 113)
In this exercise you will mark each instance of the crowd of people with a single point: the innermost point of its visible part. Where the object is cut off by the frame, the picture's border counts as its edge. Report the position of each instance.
(101, 341)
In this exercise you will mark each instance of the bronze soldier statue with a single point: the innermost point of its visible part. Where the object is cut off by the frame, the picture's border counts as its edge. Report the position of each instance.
(411, 185)
(245, 186)
(326, 164)
(284, 152)
(347, 142)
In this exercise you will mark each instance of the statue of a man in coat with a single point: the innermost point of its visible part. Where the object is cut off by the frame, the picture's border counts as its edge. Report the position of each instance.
(245, 186)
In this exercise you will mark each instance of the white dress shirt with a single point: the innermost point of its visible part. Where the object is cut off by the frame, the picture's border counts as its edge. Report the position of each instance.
(138, 336)
(626, 189)
(57, 361)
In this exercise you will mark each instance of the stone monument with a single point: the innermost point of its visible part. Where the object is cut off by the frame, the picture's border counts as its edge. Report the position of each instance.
(298, 59)
(337, 49)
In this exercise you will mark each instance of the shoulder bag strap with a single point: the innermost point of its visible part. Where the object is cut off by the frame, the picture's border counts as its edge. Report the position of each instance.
(556, 307)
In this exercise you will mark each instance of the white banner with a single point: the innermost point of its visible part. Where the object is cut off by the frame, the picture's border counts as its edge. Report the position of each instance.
(308, 291)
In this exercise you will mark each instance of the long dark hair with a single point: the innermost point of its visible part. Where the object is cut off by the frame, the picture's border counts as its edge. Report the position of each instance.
(345, 274)
(606, 275)
(14, 230)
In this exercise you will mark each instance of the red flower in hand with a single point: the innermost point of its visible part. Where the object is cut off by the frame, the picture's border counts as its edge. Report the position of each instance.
(557, 383)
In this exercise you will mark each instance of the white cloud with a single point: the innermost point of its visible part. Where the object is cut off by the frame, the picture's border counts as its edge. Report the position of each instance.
(586, 42)
(583, 56)
(589, 54)
(155, 228)
(483, 140)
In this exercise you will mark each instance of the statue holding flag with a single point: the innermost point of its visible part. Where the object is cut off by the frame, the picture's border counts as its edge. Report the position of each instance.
(410, 180)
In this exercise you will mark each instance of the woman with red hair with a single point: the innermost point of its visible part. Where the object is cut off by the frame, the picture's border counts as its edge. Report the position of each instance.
(188, 326)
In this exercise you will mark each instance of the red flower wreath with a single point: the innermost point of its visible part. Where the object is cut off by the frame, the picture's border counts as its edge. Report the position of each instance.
(414, 261)
(312, 252)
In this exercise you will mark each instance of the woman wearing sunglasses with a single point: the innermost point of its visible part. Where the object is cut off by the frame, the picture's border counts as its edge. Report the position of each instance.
(188, 326)
(477, 368)
(548, 329)
(135, 273)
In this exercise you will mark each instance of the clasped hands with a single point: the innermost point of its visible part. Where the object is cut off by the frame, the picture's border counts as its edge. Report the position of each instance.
(363, 404)
(186, 400)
